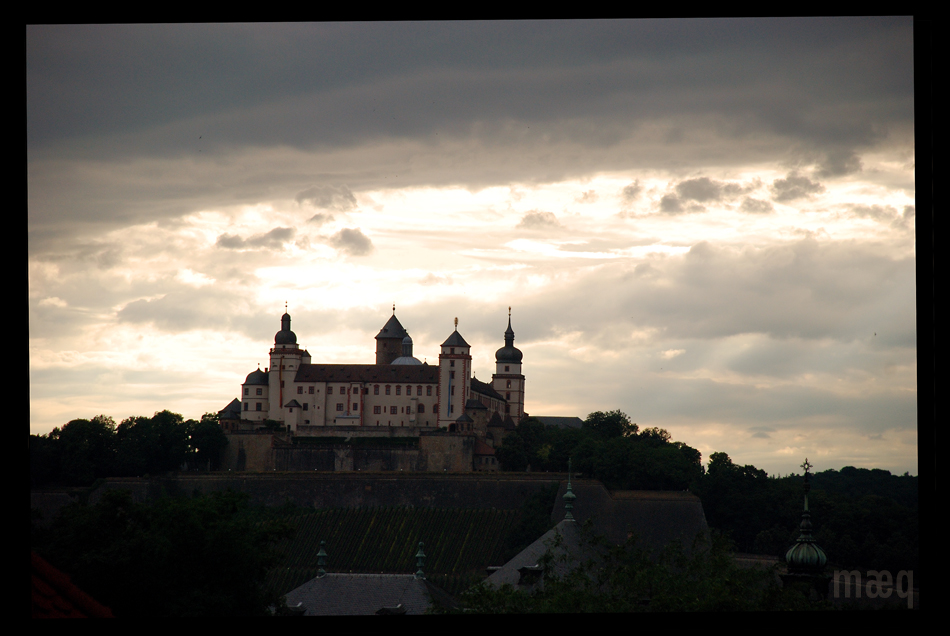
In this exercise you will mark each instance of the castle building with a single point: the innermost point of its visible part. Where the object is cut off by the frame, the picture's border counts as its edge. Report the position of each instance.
(397, 390)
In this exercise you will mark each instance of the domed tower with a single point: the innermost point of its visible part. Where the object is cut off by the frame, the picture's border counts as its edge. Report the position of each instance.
(507, 379)
(255, 403)
(389, 340)
(455, 377)
(285, 359)
(406, 358)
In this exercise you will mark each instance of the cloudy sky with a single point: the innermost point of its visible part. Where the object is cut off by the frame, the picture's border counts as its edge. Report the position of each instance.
(708, 224)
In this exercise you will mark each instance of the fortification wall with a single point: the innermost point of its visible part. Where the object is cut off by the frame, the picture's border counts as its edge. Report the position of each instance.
(333, 490)
(437, 451)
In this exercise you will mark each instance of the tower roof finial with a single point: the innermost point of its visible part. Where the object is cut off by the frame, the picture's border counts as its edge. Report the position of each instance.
(569, 496)
(394, 309)
(456, 323)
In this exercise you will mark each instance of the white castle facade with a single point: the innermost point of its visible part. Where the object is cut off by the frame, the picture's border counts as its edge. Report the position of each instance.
(398, 390)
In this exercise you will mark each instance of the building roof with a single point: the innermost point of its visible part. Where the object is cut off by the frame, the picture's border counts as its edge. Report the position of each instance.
(481, 448)
(486, 389)
(392, 329)
(416, 374)
(455, 340)
(560, 422)
(367, 594)
(256, 377)
(53, 595)
(231, 411)
(285, 335)
(656, 517)
(567, 546)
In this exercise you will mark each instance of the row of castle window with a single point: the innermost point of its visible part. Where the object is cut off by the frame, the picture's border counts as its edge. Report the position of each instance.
(388, 388)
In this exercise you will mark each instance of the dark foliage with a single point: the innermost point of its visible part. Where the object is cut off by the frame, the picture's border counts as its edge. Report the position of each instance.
(609, 448)
(200, 556)
(625, 579)
(86, 450)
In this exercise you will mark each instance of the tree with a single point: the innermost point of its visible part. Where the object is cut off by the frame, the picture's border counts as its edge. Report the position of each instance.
(611, 424)
(198, 556)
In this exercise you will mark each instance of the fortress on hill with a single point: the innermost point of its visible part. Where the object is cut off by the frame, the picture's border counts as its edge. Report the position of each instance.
(396, 414)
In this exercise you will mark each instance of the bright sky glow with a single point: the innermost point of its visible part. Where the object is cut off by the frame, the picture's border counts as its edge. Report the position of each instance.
(701, 223)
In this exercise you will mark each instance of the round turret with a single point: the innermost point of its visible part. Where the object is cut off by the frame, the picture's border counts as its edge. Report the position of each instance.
(509, 353)
(285, 336)
(256, 377)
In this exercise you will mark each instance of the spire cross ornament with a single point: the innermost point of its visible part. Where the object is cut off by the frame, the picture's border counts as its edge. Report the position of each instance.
(569, 496)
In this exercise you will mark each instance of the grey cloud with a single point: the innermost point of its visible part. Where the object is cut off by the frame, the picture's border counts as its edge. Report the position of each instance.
(756, 206)
(876, 212)
(351, 241)
(838, 163)
(320, 218)
(274, 239)
(338, 198)
(701, 189)
(632, 191)
(588, 196)
(538, 220)
(794, 186)
(672, 204)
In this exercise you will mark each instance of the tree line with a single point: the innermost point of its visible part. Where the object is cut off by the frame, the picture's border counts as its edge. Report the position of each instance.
(85, 450)
(863, 518)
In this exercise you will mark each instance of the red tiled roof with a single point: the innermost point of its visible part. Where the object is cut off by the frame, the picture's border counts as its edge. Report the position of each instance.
(55, 596)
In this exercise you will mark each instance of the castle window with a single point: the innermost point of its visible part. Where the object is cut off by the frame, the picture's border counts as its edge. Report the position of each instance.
(419, 390)
(387, 389)
(429, 390)
(246, 405)
(376, 389)
(452, 350)
(306, 406)
(508, 386)
(507, 408)
(355, 406)
(257, 406)
(422, 408)
(339, 406)
(260, 391)
(506, 367)
(310, 390)
(281, 384)
(408, 390)
(299, 390)
(451, 363)
(507, 396)
(329, 390)
(376, 410)
(451, 375)
(392, 410)
(453, 390)
(398, 390)
(245, 391)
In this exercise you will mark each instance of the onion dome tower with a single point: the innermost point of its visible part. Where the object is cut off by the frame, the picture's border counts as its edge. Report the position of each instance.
(806, 560)
(285, 360)
(389, 340)
(508, 379)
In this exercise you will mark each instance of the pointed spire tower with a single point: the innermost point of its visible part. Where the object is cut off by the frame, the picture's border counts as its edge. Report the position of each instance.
(389, 340)
(507, 379)
(806, 560)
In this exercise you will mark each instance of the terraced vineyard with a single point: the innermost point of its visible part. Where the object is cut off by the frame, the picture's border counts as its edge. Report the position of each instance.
(459, 544)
